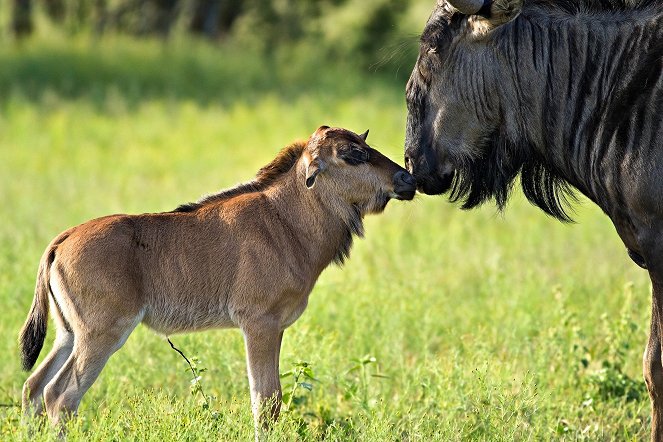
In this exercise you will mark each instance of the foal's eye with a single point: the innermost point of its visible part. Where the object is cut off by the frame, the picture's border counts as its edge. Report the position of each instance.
(353, 154)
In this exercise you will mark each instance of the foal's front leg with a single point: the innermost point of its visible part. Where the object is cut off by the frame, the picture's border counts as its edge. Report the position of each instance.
(263, 344)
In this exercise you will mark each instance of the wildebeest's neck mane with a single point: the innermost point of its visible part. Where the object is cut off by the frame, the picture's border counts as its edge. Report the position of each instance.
(575, 6)
(566, 110)
(265, 177)
(493, 174)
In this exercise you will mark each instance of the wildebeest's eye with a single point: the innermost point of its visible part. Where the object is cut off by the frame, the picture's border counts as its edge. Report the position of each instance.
(353, 154)
(423, 66)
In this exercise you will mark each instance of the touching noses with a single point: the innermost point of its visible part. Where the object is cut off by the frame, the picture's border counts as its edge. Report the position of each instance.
(403, 179)
(405, 185)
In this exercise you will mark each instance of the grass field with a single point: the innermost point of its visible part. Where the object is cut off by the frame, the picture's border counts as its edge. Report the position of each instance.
(443, 325)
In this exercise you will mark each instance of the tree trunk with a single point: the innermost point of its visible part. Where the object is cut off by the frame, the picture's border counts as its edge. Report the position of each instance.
(22, 18)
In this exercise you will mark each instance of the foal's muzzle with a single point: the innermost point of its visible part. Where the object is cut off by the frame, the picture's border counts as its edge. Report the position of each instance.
(405, 186)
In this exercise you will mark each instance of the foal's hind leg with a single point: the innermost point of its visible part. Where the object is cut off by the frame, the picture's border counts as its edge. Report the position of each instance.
(33, 389)
(90, 354)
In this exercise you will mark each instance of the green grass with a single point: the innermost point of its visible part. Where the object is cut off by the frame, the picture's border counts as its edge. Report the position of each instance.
(479, 326)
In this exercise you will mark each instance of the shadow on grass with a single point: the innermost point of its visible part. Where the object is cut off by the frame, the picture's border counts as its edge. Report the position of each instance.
(183, 70)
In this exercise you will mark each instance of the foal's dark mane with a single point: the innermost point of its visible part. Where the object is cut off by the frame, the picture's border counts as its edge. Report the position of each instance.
(268, 175)
(265, 177)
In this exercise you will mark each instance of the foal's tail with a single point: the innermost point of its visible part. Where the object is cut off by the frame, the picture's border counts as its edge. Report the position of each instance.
(33, 333)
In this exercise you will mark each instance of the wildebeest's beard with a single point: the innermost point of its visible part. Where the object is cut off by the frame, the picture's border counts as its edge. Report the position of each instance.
(492, 175)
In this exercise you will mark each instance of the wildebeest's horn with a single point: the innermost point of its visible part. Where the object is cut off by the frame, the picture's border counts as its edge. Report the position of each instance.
(467, 7)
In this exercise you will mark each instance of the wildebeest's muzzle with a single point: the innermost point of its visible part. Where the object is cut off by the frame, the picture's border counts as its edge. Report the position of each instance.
(432, 177)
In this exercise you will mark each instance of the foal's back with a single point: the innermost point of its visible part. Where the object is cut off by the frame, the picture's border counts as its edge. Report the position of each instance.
(177, 271)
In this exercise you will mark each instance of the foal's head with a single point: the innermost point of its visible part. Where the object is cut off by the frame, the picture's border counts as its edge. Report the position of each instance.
(339, 162)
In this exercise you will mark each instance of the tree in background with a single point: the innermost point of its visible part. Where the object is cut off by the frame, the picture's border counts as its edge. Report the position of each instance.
(22, 18)
(214, 18)
(338, 27)
(55, 9)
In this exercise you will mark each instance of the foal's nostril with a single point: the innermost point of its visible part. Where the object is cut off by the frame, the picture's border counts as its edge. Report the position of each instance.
(403, 178)
(405, 186)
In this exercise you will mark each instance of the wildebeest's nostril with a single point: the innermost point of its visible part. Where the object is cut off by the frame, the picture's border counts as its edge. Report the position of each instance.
(410, 180)
(408, 163)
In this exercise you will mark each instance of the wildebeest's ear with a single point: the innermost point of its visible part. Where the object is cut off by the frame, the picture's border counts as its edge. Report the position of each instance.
(495, 13)
(312, 170)
(364, 135)
(502, 11)
(467, 7)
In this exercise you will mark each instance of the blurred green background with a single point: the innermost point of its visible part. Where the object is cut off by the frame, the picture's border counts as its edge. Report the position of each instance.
(376, 34)
(443, 325)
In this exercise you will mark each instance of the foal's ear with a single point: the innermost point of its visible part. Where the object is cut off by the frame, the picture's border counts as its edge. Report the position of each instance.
(364, 135)
(312, 170)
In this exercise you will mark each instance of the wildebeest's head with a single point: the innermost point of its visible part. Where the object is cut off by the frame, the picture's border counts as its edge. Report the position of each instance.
(339, 163)
(453, 110)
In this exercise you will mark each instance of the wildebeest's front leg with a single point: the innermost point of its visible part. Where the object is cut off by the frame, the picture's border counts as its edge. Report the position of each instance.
(263, 344)
(651, 245)
(652, 364)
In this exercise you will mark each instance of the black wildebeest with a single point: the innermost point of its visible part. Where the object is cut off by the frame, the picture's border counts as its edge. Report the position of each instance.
(566, 94)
